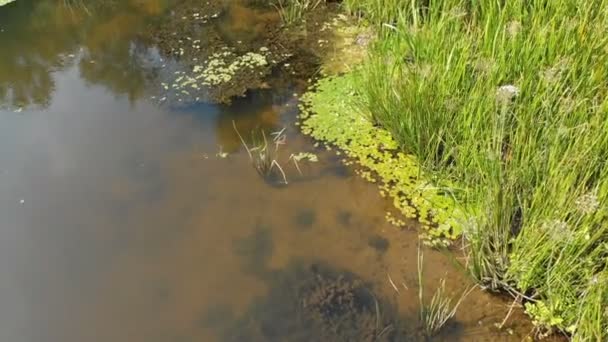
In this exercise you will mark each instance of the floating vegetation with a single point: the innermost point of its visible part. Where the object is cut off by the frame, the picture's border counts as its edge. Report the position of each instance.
(232, 63)
(219, 77)
(329, 115)
(346, 46)
(222, 67)
(311, 157)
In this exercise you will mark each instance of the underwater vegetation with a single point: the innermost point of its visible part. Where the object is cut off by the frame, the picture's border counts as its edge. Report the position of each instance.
(489, 120)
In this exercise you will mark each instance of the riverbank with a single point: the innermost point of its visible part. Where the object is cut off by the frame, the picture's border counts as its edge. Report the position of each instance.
(489, 122)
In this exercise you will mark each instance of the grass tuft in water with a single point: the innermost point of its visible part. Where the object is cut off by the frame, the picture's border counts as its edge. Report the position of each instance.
(263, 156)
(293, 11)
(440, 310)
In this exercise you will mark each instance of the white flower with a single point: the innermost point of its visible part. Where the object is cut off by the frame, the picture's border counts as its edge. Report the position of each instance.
(513, 28)
(557, 230)
(506, 93)
(595, 280)
(554, 73)
(588, 203)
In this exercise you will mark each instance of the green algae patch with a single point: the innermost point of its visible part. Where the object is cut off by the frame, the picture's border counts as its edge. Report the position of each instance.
(329, 114)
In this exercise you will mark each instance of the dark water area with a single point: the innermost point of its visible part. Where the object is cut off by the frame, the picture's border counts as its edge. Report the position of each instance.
(126, 218)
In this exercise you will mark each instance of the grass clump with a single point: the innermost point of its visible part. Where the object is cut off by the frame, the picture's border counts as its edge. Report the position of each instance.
(440, 310)
(505, 103)
(263, 157)
(293, 11)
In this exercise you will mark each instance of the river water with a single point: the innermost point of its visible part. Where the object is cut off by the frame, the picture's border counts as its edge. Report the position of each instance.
(124, 219)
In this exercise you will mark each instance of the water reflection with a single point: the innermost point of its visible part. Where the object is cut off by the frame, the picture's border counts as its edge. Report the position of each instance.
(38, 38)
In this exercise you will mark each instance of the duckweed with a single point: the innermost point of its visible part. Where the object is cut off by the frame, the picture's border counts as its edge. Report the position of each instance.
(223, 66)
(329, 115)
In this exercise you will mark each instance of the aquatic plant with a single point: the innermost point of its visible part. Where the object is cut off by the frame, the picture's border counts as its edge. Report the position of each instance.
(333, 113)
(440, 310)
(263, 158)
(293, 11)
(506, 102)
(223, 66)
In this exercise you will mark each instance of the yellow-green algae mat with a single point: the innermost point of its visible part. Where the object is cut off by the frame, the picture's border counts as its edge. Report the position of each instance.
(331, 113)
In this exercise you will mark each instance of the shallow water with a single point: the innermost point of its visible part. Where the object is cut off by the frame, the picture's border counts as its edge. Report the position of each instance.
(121, 221)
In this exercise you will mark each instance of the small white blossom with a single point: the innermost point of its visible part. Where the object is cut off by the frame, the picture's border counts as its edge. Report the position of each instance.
(513, 28)
(557, 230)
(554, 73)
(595, 280)
(588, 203)
(506, 93)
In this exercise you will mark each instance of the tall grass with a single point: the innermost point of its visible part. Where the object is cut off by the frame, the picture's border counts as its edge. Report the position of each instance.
(508, 99)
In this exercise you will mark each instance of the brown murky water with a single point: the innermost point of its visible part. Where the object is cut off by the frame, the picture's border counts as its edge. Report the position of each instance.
(120, 222)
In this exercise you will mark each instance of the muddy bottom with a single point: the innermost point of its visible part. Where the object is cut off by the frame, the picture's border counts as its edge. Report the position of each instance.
(313, 302)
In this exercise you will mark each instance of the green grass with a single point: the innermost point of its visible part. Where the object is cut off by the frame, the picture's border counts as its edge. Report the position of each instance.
(508, 100)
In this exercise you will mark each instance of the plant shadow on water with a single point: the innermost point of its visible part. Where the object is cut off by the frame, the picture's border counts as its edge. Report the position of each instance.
(311, 302)
(256, 249)
(305, 218)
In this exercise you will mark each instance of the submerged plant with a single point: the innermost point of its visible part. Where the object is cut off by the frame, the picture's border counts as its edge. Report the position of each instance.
(263, 157)
(440, 310)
